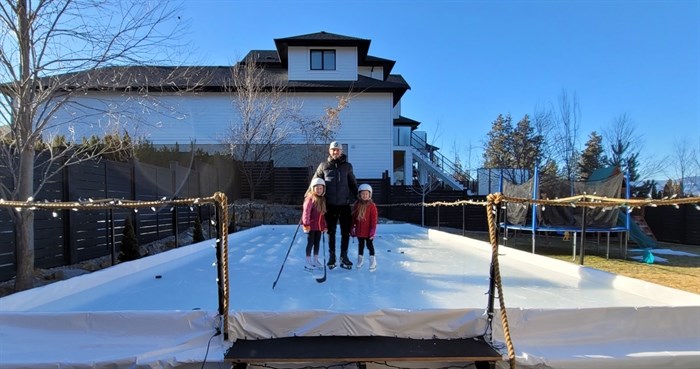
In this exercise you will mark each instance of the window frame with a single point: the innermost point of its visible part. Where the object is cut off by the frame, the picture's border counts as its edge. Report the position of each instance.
(324, 60)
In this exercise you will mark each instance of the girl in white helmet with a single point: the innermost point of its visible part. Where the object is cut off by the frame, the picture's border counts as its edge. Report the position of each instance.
(313, 220)
(364, 224)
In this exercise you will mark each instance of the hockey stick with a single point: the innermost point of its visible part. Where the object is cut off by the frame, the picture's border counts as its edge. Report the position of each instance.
(286, 256)
(323, 279)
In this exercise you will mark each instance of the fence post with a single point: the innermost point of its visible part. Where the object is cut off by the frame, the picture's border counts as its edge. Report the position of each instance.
(112, 240)
(68, 254)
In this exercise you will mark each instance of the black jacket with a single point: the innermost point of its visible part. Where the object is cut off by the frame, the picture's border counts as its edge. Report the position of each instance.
(341, 185)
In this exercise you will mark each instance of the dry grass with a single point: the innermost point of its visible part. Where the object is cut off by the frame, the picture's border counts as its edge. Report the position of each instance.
(679, 272)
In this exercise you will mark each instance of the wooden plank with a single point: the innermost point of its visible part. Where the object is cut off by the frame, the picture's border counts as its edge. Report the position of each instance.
(360, 349)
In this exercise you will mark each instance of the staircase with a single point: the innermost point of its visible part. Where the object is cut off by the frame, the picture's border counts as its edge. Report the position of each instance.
(435, 169)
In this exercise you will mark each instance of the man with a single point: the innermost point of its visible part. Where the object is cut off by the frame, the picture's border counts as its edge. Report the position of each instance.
(341, 192)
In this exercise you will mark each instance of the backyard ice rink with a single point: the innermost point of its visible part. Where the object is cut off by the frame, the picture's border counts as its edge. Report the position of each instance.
(161, 311)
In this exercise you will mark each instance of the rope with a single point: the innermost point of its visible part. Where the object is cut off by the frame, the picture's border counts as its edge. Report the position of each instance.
(222, 204)
(493, 200)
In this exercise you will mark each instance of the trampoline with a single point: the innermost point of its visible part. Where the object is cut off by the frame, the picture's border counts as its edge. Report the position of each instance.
(607, 182)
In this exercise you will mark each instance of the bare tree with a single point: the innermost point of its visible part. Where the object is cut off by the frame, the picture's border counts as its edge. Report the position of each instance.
(544, 124)
(47, 48)
(265, 119)
(423, 187)
(566, 138)
(682, 164)
(696, 171)
(623, 145)
(322, 130)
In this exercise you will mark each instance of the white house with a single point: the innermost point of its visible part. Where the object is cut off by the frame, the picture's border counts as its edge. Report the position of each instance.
(185, 104)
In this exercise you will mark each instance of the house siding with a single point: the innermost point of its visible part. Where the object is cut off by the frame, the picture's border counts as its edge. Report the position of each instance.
(373, 72)
(205, 118)
(160, 118)
(345, 65)
(366, 128)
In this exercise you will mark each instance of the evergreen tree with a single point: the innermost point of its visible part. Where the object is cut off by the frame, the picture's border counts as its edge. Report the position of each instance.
(496, 151)
(525, 147)
(592, 156)
(513, 148)
(198, 233)
(648, 189)
(549, 169)
(130, 249)
(620, 157)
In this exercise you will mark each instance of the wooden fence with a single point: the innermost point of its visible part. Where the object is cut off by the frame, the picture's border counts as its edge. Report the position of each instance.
(67, 237)
(676, 225)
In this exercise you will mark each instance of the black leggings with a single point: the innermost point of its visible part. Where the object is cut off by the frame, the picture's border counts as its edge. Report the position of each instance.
(361, 246)
(313, 242)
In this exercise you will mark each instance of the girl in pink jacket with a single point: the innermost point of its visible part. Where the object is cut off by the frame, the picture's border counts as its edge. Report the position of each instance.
(313, 220)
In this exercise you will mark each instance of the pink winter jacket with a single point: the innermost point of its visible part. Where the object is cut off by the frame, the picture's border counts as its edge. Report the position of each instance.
(310, 217)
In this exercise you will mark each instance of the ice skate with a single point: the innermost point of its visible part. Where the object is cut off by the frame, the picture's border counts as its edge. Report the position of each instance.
(372, 263)
(359, 261)
(345, 262)
(309, 264)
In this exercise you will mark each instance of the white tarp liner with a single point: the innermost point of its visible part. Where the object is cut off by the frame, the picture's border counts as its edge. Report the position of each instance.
(160, 311)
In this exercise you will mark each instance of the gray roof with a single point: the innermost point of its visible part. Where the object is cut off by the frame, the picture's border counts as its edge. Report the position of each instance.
(404, 121)
(214, 79)
(219, 78)
(321, 39)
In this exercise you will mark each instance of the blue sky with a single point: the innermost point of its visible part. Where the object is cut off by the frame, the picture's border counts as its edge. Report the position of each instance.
(468, 61)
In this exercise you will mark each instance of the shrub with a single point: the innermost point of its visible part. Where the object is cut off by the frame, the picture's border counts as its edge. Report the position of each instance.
(197, 234)
(130, 249)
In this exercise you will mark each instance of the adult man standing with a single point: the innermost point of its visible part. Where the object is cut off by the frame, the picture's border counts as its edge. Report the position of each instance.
(341, 192)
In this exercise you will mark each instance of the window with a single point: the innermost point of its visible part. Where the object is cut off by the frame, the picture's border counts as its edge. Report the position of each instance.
(322, 59)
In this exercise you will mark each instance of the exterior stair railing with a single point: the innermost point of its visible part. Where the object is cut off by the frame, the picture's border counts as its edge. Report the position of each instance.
(438, 162)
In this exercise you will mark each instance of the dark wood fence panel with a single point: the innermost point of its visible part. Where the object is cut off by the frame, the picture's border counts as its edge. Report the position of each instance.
(7, 246)
(146, 189)
(289, 185)
(68, 237)
(669, 224)
(118, 180)
(262, 173)
(403, 208)
(49, 226)
(87, 230)
(691, 215)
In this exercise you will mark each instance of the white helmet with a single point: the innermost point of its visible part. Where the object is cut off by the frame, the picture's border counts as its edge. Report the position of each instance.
(318, 181)
(364, 187)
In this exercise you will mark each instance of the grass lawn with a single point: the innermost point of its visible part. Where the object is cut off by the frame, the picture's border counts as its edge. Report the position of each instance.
(680, 272)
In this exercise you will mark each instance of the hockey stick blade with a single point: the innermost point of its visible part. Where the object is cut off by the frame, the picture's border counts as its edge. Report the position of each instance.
(322, 279)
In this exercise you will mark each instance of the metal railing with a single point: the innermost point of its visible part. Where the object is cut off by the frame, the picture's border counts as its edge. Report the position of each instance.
(446, 165)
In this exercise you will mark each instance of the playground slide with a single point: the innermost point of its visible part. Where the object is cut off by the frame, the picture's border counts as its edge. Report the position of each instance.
(639, 237)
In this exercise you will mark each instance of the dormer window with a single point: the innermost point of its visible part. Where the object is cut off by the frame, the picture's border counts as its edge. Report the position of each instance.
(322, 59)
